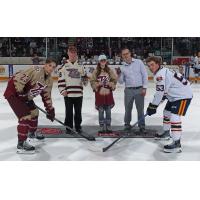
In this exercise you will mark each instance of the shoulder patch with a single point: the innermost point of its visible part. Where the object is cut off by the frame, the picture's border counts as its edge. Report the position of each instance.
(159, 78)
(37, 68)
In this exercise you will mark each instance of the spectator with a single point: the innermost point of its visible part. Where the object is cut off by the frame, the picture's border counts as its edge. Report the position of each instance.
(103, 82)
(197, 67)
(135, 77)
(70, 84)
(33, 44)
(35, 59)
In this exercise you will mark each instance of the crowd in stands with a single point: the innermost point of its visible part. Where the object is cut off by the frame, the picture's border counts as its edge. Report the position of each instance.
(90, 47)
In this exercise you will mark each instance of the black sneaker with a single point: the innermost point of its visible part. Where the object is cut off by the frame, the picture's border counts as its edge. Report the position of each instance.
(174, 147)
(69, 132)
(25, 147)
(127, 127)
(108, 129)
(101, 129)
(164, 136)
(143, 130)
(79, 130)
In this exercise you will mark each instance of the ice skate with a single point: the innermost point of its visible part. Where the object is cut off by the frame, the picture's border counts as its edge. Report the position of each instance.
(174, 147)
(23, 147)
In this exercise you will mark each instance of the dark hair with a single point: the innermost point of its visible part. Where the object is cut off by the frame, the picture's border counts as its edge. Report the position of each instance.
(106, 69)
(124, 48)
(50, 60)
(157, 60)
(127, 48)
(72, 48)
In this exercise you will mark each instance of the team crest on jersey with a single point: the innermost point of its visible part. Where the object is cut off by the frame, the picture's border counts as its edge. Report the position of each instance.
(38, 89)
(103, 79)
(160, 78)
(73, 73)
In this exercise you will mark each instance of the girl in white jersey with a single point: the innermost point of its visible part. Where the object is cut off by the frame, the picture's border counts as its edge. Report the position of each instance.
(170, 85)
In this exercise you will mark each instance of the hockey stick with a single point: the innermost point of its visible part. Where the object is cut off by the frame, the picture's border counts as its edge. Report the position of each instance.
(89, 137)
(123, 135)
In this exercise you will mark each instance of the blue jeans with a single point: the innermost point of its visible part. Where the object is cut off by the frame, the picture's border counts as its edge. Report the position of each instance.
(104, 119)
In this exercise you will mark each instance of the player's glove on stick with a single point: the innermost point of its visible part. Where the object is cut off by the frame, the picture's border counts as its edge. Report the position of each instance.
(51, 114)
(151, 109)
(30, 103)
(163, 99)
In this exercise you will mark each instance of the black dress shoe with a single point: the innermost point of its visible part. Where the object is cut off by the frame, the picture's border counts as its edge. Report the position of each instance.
(68, 131)
(79, 130)
(143, 130)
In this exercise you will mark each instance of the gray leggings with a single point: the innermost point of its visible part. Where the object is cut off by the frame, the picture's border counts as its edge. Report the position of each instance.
(104, 119)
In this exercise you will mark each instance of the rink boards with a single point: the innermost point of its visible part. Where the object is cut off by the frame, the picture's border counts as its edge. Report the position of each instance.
(7, 71)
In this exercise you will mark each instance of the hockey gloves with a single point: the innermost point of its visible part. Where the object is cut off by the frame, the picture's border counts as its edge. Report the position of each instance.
(30, 104)
(163, 98)
(151, 109)
(51, 114)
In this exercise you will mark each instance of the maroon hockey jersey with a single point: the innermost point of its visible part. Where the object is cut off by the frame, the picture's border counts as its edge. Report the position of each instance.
(30, 83)
(103, 85)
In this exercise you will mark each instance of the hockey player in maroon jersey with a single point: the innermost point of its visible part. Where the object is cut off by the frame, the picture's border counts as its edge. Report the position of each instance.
(20, 91)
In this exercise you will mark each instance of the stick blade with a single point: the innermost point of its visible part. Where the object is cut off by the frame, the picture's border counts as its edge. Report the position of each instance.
(87, 136)
(104, 149)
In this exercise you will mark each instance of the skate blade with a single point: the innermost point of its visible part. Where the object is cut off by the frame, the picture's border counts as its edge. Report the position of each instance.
(96, 146)
(35, 141)
(38, 141)
(21, 151)
(162, 139)
(177, 150)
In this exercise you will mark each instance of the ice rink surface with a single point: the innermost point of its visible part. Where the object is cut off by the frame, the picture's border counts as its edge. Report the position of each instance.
(58, 149)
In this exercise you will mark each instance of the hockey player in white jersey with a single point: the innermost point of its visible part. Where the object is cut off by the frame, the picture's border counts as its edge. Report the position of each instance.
(170, 85)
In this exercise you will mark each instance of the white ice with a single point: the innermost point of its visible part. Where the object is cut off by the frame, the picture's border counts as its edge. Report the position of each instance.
(77, 149)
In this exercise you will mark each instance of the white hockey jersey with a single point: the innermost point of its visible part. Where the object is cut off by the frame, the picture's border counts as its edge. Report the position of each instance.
(70, 79)
(172, 84)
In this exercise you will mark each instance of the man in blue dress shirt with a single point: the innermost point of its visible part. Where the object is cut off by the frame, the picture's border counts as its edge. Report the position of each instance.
(134, 75)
